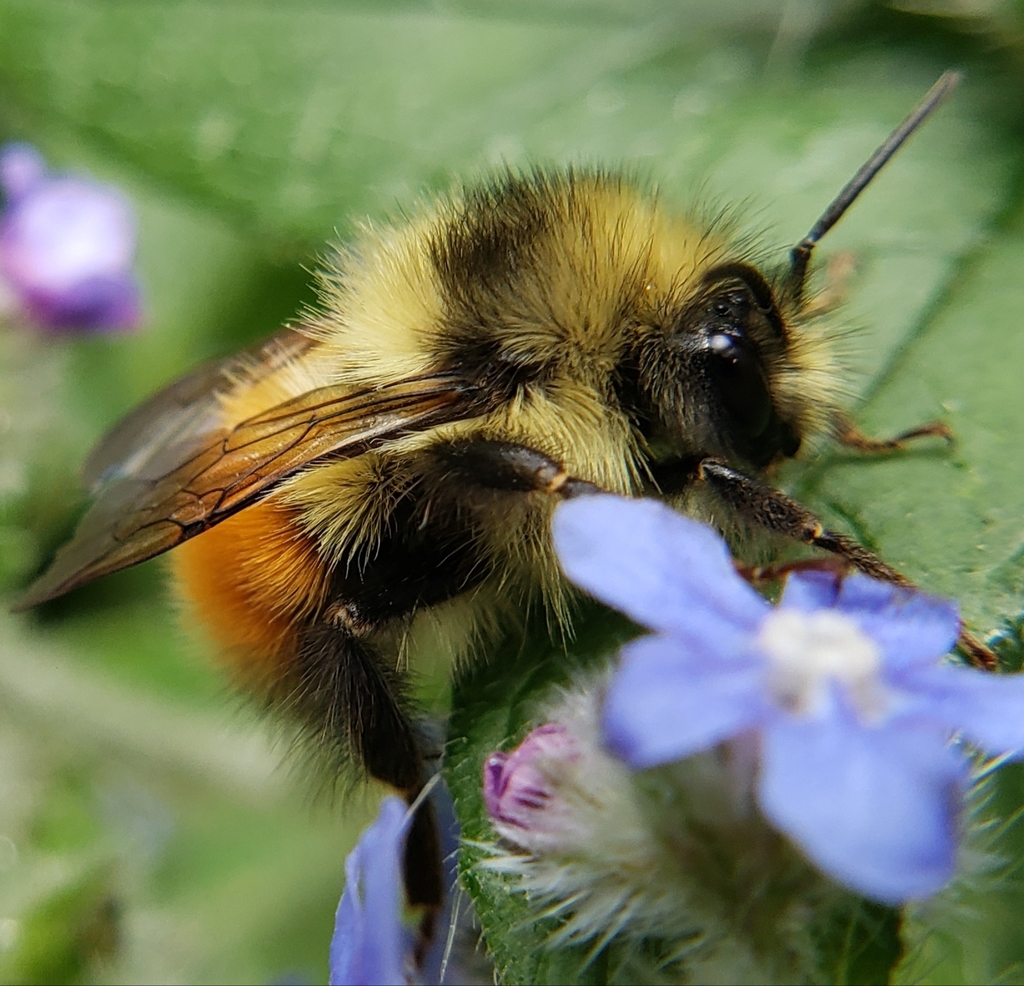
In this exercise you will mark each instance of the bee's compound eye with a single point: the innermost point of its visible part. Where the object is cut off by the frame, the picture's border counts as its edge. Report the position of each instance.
(739, 382)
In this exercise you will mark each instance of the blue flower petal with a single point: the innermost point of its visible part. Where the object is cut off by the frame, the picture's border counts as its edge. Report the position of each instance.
(349, 929)
(370, 942)
(874, 808)
(663, 704)
(863, 595)
(915, 630)
(438, 965)
(987, 708)
(910, 627)
(810, 590)
(663, 570)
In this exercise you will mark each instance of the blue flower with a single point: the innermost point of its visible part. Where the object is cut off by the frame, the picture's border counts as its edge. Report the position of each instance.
(371, 943)
(67, 247)
(841, 689)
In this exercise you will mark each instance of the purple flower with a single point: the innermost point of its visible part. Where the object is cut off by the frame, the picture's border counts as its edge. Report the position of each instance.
(371, 943)
(67, 247)
(841, 689)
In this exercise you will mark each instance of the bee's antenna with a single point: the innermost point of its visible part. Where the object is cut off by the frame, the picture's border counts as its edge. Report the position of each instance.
(800, 255)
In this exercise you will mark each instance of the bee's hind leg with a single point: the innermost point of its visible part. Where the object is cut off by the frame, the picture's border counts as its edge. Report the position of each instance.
(356, 709)
(772, 510)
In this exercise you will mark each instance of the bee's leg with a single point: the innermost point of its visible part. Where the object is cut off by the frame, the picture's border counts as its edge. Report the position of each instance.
(351, 694)
(774, 511)
(510, 468)
(516, 468)
(838, 273)
(848, 434)
(356, 704)
(758, 574)
(349, 686)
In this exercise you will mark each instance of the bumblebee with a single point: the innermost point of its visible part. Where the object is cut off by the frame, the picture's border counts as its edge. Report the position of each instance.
(395, 457)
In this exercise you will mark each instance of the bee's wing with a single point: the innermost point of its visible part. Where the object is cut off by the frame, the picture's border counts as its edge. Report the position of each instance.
(185, 410)
(173, 491)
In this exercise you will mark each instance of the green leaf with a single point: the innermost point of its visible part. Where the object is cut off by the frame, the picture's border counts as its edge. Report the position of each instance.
(298, 114)
(74, 928)
(249, 132)
(952, 518)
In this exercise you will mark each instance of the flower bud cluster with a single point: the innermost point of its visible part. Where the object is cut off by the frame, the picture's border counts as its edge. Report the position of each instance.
(656, 861)
(747, 774)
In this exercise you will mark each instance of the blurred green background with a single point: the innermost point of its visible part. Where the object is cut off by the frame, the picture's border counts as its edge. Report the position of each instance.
(148, 831)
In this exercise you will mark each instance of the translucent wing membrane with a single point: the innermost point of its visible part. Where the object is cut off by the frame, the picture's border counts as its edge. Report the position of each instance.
(157, 493)
(188, 408)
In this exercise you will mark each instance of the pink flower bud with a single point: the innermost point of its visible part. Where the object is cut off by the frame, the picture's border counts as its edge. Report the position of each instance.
(521, 788)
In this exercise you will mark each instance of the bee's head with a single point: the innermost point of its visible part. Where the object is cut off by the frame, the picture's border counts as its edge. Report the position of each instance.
(711, 376)
(731, 371)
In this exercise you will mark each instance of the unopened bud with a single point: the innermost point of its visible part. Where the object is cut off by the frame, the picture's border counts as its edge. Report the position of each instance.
(523, 790)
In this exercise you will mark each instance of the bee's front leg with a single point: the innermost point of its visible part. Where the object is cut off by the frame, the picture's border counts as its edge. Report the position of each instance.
(772, 510)
(515, 468)
(510, 468)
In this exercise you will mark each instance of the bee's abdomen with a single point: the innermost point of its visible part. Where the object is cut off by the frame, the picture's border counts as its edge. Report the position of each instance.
(251, 582)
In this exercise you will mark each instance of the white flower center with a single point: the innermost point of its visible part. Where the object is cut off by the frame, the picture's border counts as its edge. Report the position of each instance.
(809, 651)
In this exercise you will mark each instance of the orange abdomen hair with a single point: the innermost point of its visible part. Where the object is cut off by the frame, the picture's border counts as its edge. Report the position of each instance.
(250, 582)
